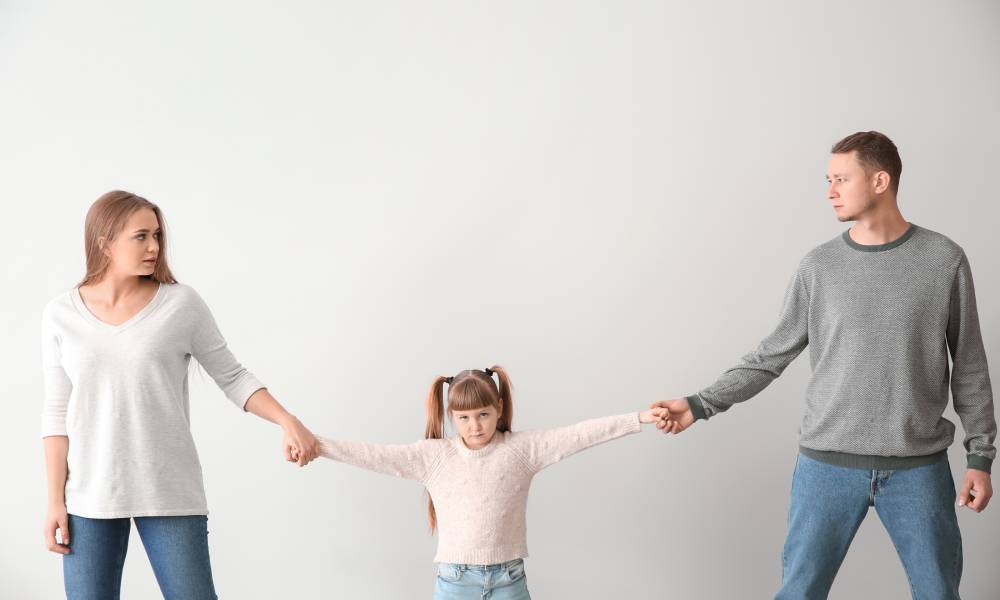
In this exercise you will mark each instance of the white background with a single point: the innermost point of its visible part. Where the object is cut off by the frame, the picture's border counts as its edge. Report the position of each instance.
(608, 198)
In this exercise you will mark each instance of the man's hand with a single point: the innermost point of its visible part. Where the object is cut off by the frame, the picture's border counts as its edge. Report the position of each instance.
(674, 415)
(976, 490)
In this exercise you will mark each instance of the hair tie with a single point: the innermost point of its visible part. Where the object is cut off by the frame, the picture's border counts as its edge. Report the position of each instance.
(448, 380)
(488, 371)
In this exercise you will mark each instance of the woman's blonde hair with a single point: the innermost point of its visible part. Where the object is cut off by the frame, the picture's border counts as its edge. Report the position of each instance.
(106, 219)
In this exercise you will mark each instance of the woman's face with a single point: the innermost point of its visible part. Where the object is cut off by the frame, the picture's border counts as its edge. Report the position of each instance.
(476, 426)
(136, 249)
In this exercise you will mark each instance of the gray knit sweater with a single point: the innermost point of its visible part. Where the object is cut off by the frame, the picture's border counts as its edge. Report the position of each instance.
(880, 323)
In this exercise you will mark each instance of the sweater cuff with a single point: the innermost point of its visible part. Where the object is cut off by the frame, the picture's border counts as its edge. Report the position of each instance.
(242, 393)
(52, 427)
(697, 408)
(633, 422)
(974, 461)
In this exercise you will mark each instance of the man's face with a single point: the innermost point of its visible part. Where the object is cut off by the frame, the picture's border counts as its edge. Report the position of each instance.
(851, 191)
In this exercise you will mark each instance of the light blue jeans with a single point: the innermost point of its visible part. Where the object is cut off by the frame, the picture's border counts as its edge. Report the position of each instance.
(916, 506)
(177, 548)
(482, 582)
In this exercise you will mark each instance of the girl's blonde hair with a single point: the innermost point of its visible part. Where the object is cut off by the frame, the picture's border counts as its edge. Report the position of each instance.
(468, 390)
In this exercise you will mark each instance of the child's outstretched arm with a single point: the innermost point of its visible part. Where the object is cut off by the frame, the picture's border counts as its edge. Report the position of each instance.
(545, 447)
(415, 461)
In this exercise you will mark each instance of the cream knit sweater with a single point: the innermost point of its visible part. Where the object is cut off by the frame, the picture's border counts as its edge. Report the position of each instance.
(480, 496)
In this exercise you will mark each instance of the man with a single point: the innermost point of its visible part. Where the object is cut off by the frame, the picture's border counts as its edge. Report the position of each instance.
(881, 307)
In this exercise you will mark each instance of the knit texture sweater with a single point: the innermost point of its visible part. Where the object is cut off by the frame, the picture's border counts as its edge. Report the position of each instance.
(881, 323)
(480, 496)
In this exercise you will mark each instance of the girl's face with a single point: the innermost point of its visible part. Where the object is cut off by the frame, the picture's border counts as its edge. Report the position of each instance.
(136, 248)
(476, 426)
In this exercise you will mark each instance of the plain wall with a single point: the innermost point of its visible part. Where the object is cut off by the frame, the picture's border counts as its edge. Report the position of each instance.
(607, 198)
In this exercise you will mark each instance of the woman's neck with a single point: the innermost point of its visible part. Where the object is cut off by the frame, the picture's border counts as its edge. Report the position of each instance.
(112, 288)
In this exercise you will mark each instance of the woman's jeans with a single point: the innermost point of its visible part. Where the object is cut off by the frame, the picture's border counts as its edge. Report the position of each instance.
(177, 548)
(916, 506)
(482, 582)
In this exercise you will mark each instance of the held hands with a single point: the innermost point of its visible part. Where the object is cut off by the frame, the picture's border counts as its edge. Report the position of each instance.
(300, 445)
(673, 416)
(976, 491)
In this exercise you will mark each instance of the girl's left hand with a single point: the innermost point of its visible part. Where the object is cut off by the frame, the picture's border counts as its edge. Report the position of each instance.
(647, 416)
(301, 446)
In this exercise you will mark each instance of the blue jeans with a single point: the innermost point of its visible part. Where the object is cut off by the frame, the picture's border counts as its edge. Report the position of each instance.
(177, 548)
(916, 506)
(482, 582)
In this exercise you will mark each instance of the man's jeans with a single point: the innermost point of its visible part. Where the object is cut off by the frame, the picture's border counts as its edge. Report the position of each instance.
(916, 506)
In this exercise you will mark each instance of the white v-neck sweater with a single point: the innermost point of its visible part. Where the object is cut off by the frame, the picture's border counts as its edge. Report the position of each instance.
(120, 393)
(481, 496)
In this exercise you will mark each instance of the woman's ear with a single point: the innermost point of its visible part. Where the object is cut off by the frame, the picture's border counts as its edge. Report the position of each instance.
(102, 245)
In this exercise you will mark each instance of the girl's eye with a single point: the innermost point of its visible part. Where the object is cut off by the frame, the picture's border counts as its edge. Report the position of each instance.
(484, 414)
(141, 236)
(463, 418)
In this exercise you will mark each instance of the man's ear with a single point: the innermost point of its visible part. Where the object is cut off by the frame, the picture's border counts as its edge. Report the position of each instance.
(882, 181)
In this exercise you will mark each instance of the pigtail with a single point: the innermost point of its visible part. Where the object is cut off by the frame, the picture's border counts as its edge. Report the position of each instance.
(435, 430)
(435, 410)
(506, 420)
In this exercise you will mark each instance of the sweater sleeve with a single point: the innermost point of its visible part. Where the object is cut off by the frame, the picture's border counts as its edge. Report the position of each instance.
(56, 382)
(209, 348)
(414, 461)
(757, 369)
(971, 391)
(544, 447)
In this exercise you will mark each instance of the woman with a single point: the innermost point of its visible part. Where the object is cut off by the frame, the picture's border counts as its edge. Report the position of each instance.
(115, 424)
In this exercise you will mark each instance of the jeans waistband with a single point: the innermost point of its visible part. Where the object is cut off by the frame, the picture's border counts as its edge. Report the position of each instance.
(486, 568)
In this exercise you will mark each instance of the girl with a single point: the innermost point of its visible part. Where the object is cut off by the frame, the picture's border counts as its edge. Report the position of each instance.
(478, 480)
(115, 422)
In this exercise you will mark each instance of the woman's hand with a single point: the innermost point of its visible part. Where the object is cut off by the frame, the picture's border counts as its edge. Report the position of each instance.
(56, 518)
(301, 446)
(56, 449)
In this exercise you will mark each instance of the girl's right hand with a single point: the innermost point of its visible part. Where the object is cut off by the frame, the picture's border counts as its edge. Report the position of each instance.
(57, 518)
(647, 416)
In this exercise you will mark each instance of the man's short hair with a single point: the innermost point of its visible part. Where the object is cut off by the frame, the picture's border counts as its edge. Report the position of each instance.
(875, 151)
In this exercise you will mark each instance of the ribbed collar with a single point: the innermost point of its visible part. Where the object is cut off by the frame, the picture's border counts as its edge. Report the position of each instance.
(881, 247)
